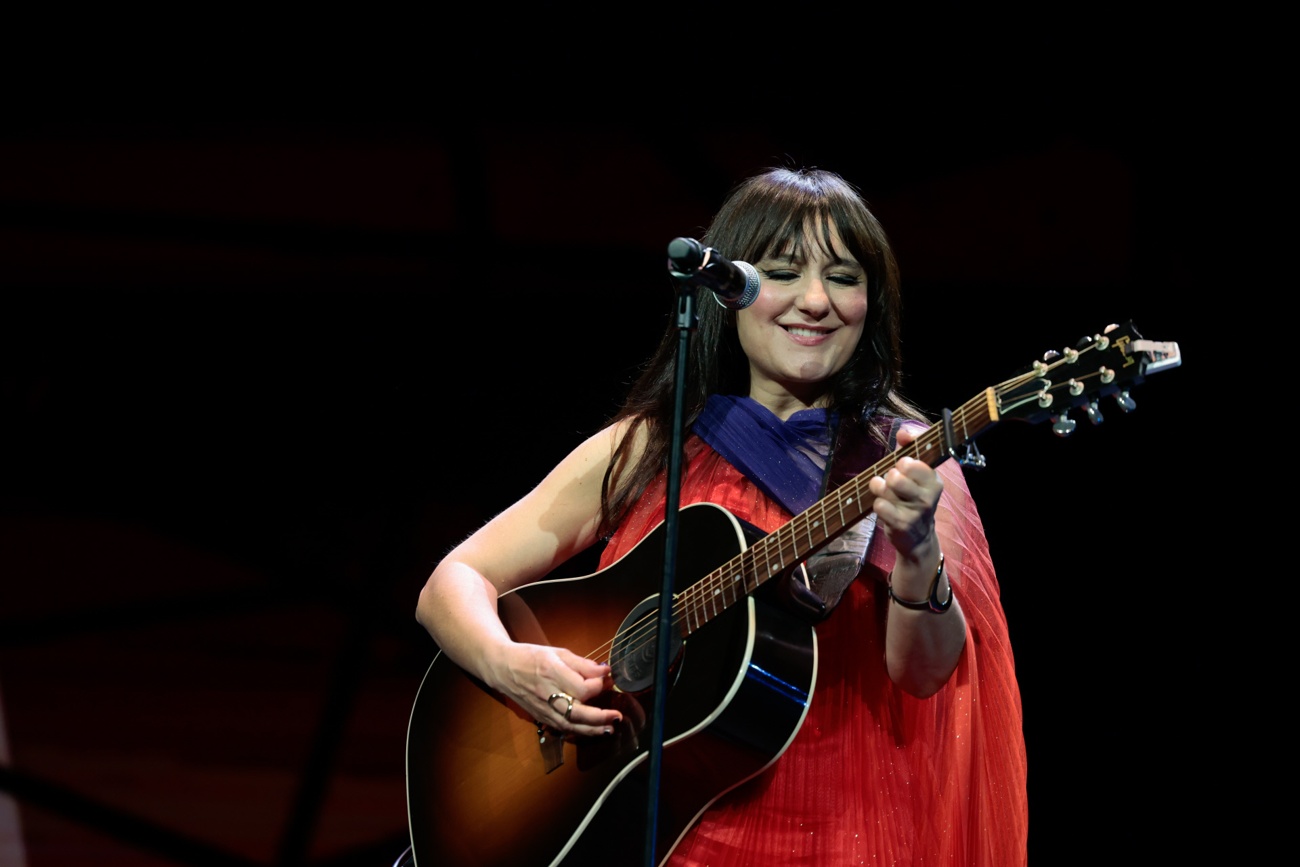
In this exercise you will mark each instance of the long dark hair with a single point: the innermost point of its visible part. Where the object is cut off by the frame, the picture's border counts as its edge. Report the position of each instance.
(767, 215)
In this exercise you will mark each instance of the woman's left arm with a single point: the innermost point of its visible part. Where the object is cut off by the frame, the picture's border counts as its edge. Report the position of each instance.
(925, 627)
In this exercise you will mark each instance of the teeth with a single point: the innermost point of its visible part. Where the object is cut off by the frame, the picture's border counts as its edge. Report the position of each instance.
(803, 332)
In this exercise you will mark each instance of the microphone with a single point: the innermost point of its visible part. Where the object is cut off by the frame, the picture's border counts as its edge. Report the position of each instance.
(735, 285)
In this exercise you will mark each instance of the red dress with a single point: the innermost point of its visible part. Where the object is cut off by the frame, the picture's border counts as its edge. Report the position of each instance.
(874, 775)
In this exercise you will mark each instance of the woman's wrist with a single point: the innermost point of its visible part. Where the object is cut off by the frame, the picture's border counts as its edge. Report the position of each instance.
(937, 599)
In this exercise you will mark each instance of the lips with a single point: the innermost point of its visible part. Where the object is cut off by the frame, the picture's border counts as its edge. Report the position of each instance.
(807, 336)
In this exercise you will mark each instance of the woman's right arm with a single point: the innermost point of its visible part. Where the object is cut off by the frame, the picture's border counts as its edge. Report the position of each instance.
(458, 605)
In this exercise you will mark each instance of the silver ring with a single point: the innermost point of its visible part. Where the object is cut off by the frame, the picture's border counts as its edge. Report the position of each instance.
(568, 711)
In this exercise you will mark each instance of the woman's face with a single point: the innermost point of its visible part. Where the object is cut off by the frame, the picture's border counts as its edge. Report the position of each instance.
(804, 325)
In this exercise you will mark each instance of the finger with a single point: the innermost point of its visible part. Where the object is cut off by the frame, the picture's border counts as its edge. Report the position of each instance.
(596, 676)
(561, 705)
(915, 479)
(914, 470)
(587, 669)
(901, 490)
(572, 715)
(905, 437)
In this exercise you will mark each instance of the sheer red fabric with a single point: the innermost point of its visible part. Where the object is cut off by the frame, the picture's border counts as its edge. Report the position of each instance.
(874, 775)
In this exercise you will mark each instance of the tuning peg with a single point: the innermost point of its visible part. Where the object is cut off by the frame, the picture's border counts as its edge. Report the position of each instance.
(1093, 411)
(1125, 401)
(1063, 425)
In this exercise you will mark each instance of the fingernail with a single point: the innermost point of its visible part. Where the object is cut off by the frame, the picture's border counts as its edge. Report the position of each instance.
(608, 730)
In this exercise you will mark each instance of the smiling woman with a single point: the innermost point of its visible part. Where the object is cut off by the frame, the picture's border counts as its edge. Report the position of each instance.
(806, 322)
(228, 376)
(859, 707)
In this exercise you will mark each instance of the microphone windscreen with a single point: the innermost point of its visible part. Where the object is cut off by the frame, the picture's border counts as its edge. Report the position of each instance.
(752, 284)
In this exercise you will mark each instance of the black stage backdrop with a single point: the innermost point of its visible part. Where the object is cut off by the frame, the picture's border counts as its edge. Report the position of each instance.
(257, 376)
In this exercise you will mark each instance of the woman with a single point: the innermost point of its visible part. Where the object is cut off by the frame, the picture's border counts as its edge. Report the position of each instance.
(911, 750)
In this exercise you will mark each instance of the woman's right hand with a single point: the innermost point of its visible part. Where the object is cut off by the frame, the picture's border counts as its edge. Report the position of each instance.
(541, 679)
(525, 542)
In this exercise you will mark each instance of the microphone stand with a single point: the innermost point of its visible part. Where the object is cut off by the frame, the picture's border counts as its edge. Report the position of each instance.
(686, 323)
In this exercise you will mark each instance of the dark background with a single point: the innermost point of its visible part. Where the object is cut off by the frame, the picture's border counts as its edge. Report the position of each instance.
(259, 372)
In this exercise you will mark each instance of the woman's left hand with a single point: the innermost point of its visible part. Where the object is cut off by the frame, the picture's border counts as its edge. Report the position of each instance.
(906, 497)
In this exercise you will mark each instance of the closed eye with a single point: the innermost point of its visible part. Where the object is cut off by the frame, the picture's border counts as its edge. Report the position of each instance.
(846, 279)
(784, 275)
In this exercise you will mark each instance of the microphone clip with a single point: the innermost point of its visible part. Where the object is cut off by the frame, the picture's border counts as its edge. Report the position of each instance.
(735, 285)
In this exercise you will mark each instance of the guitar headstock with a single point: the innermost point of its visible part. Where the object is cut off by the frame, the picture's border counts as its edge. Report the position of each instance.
(1102, 365)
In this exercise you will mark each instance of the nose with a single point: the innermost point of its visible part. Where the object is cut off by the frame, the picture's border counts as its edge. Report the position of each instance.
(814, 298)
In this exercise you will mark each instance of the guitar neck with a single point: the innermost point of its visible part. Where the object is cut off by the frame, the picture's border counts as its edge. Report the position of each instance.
(807, 532)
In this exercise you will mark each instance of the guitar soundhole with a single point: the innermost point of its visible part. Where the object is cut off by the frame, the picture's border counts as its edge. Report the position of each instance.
(632, 658)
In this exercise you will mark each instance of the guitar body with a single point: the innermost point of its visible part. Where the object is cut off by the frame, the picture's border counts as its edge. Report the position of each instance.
(485, 789)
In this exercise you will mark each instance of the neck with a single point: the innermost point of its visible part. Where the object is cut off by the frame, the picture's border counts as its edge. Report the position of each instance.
(784, 403)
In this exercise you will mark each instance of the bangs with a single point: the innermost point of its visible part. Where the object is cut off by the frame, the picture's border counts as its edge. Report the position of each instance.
(791, 240)
(770, 217)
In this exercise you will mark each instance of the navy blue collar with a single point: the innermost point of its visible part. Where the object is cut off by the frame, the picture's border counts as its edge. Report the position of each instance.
(786, 459)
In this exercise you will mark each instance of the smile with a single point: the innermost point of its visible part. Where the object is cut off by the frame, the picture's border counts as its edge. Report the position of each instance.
(805, 332)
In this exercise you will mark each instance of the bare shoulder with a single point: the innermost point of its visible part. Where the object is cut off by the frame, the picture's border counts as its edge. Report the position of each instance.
(596, 451)
(556, 519)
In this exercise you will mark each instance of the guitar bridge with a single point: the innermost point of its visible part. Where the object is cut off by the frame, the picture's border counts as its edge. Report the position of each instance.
(551, 747)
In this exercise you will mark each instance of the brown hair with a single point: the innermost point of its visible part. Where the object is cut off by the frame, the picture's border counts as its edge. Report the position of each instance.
(767, 215)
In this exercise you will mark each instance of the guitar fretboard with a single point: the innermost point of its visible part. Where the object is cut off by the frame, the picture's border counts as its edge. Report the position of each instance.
(805, 533)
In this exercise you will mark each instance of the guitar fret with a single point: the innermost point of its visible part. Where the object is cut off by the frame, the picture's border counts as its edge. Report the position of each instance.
(774, 568)
(830, 522)
(693, 619)
(825, 526)
(715, 600)
(729, 586)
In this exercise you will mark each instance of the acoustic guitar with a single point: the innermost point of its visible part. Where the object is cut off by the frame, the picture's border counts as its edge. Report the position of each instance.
(488, 787)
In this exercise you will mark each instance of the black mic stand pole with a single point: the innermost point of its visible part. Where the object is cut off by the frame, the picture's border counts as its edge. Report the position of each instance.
(686, 323)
